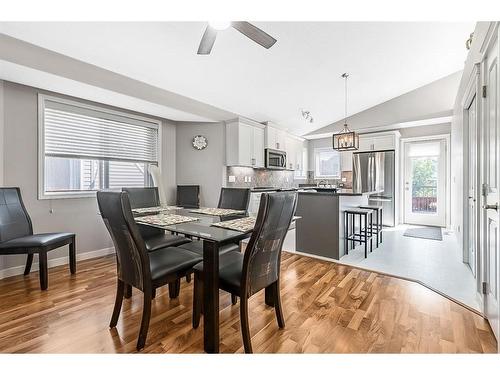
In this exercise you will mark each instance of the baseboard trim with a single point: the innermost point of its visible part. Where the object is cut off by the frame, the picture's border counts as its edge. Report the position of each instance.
(471, 309)
(19, 270)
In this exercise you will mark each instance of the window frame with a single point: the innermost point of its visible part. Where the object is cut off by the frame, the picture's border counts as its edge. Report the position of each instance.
(42, 98)
(317, 151)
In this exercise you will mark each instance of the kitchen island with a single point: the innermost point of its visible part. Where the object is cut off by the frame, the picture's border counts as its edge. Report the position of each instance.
(320, 231)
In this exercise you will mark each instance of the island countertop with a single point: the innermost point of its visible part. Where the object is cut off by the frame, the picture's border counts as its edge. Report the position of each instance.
(339, 192)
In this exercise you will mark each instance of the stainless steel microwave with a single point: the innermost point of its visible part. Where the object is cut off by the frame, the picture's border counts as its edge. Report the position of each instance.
(275, 159)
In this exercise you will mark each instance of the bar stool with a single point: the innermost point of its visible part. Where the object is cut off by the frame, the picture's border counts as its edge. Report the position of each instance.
(364, 234)
(378, 221)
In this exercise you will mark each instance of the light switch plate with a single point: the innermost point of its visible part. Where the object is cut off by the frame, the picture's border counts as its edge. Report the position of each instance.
(231, 179)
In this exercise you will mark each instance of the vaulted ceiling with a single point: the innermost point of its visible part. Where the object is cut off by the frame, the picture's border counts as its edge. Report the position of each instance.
(301, 71)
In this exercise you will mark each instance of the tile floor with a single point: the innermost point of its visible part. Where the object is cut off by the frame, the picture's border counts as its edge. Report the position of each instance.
(436, 263)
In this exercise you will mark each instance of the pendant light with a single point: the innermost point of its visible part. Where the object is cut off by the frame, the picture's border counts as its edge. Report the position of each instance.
(345, 140)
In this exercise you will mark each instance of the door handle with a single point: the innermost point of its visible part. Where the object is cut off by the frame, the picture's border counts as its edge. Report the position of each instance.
(491, 206)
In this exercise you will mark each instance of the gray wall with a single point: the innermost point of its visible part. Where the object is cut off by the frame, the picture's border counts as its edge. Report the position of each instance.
(202, 167)
(79, 215)
(433, 100)
(422, 131)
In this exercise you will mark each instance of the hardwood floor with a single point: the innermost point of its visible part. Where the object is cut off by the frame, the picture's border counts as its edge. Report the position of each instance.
(329, 308)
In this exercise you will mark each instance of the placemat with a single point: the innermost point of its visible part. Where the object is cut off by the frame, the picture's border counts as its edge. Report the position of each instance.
(244, 224)
(217, 211)
(147, 210)
(165, 220)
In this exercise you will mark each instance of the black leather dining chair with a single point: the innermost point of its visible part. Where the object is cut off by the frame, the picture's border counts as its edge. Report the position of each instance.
(231, 198)
(234, 198)
(16, 235)
(188, 196)
(259, 267)
(136, 266)
(154, 238)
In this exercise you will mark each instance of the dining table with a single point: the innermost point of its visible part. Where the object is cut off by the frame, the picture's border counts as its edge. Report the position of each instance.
(213, 238)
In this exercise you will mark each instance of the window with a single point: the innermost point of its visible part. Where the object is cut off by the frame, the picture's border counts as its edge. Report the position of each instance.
(85, 148)
(326, 163)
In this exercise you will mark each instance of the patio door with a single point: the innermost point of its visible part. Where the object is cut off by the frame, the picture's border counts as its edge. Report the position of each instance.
(425, 182)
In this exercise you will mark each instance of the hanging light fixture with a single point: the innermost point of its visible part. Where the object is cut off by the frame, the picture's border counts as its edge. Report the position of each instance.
(345, 140)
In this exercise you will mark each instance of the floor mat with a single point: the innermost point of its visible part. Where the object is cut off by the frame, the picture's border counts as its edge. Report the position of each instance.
(429, 233)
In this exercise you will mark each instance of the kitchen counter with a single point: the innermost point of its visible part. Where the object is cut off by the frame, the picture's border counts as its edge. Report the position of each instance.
(338, 192)
(320, 232)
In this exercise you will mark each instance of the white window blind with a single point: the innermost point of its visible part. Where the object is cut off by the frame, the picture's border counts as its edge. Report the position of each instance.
(84, 148)
(76, 132)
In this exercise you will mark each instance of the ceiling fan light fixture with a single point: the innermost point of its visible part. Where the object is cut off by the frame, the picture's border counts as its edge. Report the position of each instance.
(219, 25)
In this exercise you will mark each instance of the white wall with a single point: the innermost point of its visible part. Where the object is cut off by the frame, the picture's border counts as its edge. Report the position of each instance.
(79, 215)
(430, 101)
(422, 131)
(202, 167)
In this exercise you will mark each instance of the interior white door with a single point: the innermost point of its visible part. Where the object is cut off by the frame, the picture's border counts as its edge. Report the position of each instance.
(491, 165)
(425, 182)
(472, 216)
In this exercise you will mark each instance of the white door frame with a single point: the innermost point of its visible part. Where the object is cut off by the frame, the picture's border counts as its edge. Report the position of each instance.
(492, 40)
(404, 142)
(473, 91)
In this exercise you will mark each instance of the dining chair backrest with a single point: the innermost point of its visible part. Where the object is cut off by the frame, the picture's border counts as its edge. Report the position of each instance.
(261, 264)
(234, 198)
(143, 196)
(131, 254)
(188, 196)
(15, 221)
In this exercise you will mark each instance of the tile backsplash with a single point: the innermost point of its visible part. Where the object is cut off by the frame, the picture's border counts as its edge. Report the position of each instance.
(249, 177)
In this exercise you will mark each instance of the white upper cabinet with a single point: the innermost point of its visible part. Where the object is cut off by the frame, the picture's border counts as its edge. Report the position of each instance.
(346, 161)
(291, 144)
(301, 160)
(244, 143)
(378, 141)
(275, 138)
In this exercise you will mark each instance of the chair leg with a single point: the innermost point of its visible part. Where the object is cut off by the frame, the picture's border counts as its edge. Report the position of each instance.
(72, 257)
(128, 291)
(174, 288)
(188, 278)
(277, 305)
(197, 299)
(120, 289)
(146, 316)
(29, 262)
(153, 293)
(245, 330)
(234, 299)
(44, 272)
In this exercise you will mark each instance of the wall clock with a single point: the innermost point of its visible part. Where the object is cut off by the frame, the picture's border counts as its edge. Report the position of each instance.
(200, 142)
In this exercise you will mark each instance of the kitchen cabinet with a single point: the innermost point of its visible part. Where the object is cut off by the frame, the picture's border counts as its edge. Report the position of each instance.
(378, 142)
(275, 138)
(244, 143)
(291, 145)
(301, 159)
(346, 161)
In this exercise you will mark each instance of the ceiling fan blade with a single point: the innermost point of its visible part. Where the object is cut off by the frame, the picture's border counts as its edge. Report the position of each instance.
(254, 33)
(207, 41)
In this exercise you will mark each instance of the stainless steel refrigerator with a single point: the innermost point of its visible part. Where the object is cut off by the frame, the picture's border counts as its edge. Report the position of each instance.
(375, 171)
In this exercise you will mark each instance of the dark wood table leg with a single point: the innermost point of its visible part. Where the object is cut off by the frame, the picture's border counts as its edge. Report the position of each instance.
(211, 296)
(72, 256)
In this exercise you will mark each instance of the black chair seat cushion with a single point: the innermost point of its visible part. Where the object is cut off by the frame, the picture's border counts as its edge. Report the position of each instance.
(230, 271)
(36, 240)
(162, 240)
(197, 247)
(170, 261)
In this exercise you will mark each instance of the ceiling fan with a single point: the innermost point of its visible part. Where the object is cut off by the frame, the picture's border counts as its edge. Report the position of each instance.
(250, 31)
